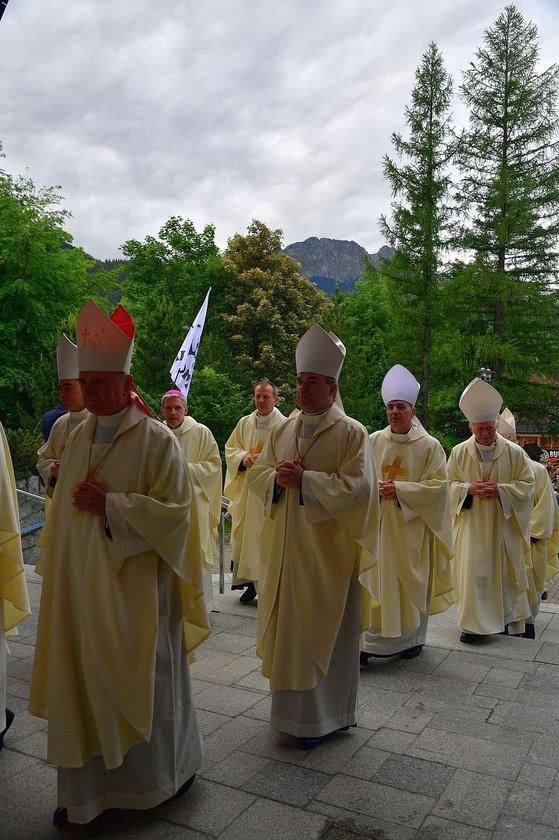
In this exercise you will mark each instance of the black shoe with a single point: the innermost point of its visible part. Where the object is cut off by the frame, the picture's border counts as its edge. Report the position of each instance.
(470, 638)
(311, 743)
(9, 721)
(182, 790)
(544, 595)
(529, 631)
(60, 816)
(412, 652)
(364, 658)
(249, 594)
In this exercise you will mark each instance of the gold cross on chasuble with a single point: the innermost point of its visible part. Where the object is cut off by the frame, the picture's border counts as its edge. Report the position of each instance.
(393, 470)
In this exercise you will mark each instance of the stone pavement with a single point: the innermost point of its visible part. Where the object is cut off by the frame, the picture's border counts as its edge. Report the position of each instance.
(461, 743)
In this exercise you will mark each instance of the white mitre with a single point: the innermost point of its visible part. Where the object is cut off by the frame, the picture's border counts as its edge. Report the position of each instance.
(67, 359)
(480, 402)
(104, 343)
(399, 384)
(506, 424)
(320, 352)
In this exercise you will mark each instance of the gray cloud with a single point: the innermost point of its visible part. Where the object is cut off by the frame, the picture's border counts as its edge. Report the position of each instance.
(225, 110)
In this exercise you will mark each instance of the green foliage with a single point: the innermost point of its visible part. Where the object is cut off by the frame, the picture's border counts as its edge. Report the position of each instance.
(267, 308)
(167, 280)
(364, 327)
(42, 282)
(24, 444)
(421, 217)
(108, 277)
(215, 401)
(502, 305)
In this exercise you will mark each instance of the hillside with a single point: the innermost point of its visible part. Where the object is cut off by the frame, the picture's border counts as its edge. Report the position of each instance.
(330, 261)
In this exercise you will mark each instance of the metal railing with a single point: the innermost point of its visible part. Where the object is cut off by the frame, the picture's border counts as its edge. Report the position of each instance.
(221, 544)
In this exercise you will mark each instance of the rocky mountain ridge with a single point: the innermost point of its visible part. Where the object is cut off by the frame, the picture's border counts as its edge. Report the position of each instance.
(330, 261)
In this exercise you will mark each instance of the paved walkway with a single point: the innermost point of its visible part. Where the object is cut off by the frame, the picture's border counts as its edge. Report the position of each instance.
(461, 743)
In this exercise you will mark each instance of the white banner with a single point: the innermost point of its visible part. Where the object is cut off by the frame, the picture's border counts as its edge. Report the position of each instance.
(183, 366)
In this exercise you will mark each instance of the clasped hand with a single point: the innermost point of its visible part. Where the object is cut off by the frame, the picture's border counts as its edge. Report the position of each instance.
(387, 489)
(91, 497)
(485, 489)
(289, 473)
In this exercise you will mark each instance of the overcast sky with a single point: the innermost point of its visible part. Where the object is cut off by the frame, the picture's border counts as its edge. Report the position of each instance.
(222, 111)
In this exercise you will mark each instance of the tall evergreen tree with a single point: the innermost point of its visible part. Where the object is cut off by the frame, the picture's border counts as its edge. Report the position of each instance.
(421, 215)
(508, 159)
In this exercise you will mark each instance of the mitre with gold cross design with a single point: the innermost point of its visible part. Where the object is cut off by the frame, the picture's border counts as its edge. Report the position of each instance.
(104, 343)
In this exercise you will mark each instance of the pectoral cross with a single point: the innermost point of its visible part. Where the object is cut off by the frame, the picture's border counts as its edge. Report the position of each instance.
(393, 470)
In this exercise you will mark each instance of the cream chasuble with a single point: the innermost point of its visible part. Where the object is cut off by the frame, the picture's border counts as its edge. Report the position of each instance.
(14, 601)
(95, 664)
(492, 537)
(53, 448)
(202, 454)
(246, 509)
(413, 576)
(316, 539)
(542, 561)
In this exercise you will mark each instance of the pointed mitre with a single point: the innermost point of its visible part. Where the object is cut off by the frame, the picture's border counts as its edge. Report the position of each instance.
(399, 384)
(480, 402)
(321, 352)
(67, 359)
(104, 343)
(506, 424)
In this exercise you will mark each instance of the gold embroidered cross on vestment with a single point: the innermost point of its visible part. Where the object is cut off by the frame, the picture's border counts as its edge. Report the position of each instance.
(393, 470)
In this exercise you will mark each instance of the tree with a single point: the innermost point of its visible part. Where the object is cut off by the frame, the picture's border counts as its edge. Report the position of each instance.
(166, 283)
(216, 401)
(334, 317)
(268, 307)
(504, 297)
(366, 330)
(43, 282)
(421, 216)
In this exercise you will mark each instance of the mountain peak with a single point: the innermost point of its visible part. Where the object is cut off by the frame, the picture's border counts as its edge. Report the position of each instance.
(330, 261)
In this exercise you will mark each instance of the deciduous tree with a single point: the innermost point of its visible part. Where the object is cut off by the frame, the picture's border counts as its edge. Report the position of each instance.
(43, 281)
(268, 307)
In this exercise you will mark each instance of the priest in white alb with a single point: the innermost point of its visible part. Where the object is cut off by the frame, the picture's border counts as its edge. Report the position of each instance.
(122, 600)
(242, 450)
(413, 577)
(317, 482)
(491, 493)
(202, 456)
(542, 562)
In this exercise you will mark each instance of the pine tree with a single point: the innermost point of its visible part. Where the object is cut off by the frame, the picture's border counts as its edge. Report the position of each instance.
(421, 216)
(509, 197)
